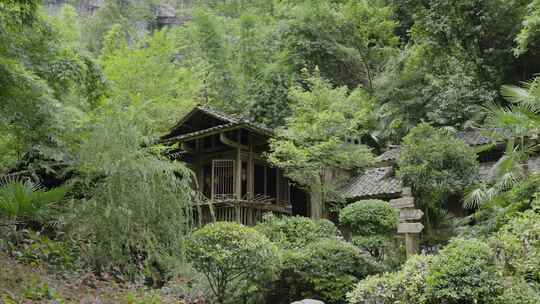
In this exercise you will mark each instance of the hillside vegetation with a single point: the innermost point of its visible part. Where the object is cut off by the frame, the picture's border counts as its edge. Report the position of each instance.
(92, 211)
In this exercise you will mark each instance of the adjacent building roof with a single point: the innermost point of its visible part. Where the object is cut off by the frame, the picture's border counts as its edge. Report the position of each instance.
(486, 171)
(374, 183)
(475, 137)
(390, 155)
(381, 182)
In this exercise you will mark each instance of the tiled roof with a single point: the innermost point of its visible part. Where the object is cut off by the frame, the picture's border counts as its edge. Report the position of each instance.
(391, 154)
(475, 137)
(231, 122)
(218, 115)
(472, 137)
(486, 171)
(187, 136)
(373, 183)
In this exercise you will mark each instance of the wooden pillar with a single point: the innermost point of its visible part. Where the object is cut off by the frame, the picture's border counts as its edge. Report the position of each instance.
(250, 170)
(238, 183)
(277, 186)
(200, 168)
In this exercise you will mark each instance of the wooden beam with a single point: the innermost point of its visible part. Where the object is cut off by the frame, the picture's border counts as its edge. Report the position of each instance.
(232, 143)
(186, 148)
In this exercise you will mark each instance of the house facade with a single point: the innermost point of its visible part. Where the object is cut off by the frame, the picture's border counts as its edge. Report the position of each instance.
(227, 156)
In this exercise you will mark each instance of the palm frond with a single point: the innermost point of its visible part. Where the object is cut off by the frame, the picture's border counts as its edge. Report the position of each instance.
(475, 198)
(23, 200)
(515, 94)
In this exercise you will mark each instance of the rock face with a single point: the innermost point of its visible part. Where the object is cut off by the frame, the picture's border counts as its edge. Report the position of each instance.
(84, 6)
(54, 6)
(165, 15)
(308, 301)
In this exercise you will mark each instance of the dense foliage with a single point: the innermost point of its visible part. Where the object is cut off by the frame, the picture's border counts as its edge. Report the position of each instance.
(435, 164)
(322, 134)
(86, 88)
(296, 232)
(317, 263)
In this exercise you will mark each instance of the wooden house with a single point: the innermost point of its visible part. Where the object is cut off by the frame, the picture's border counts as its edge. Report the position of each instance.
(227, 156)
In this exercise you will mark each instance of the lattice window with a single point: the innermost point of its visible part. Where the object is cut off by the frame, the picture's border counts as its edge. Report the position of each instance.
(222, 179)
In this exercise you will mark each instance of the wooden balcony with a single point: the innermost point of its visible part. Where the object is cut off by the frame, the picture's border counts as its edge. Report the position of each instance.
(246, 212)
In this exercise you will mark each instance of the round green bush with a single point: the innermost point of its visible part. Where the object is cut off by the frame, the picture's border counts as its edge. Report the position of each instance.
(325, 270)
(463, 272)
(296, 231)
(369, 217)
(231, 255)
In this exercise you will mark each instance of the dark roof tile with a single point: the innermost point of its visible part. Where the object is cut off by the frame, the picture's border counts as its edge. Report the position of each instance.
(390, 155)
(373, 183)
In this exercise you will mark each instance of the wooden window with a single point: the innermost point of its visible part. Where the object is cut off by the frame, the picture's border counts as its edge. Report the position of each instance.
(222, 179)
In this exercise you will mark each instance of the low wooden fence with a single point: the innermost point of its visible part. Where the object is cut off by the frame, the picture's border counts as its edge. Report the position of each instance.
(245, 212)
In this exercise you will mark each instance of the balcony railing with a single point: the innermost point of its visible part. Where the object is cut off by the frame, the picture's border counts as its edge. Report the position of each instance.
(246, 212)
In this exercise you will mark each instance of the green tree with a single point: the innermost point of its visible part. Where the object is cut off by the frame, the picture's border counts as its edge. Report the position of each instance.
(435, 164)
(229, 254)
(147, 80)
(347, 40)
(457, 54)
(46, 85)
(134, 18)
(530, 29)
(423, 84)
(315, 138)
(135, 204)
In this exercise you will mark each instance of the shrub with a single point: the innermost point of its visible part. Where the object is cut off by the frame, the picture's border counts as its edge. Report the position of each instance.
(517, 291)
(403, 287)
(463, 272)
(518, 246)
(229, 255)
(368, 217)
(376, 289)
(324, 270)
(26, 202)
(295, 231)
(36, 249)
(372, 223)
